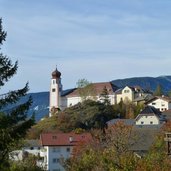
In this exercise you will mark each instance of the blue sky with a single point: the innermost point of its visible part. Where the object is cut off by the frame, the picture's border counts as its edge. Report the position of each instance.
(93, 39)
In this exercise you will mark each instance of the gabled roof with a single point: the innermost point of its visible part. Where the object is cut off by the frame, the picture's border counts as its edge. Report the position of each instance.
(98, 88)
(165, 98)
(143, 98)
(149, 111)
(64, 139)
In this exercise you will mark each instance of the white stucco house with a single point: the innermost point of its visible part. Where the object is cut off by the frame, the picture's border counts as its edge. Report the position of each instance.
(149, 116)
(131, 94)
(162, 103)
(57, 147)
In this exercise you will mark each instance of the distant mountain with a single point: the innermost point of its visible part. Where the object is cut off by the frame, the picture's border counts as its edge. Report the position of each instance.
(149, 83)
(40, 104)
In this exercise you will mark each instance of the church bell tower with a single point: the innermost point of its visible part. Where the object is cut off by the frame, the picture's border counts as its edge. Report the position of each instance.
(55, 92)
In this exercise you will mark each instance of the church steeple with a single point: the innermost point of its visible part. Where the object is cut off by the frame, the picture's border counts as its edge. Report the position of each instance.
(56, 74)
(55, 92)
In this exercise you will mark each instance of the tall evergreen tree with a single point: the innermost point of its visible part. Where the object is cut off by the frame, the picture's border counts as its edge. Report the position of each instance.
(14, 122)
(104, 96)
(159, 90)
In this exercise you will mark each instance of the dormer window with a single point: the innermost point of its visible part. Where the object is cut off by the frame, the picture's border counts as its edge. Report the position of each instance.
(54, 137)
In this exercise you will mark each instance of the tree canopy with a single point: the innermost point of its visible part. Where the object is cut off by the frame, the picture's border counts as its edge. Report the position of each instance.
(85, 89)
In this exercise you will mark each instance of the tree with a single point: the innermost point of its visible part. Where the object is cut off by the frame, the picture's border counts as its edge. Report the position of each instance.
(104, 96)
(110, 153)
(14, 122)
(29, 163)
(158, 91)
(85, 89)
(89, 114)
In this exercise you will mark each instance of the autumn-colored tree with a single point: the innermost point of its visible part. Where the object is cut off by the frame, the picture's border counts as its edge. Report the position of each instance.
(111, 152)
(157, 158)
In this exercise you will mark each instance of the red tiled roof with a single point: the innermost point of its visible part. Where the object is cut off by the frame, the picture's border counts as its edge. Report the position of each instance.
(64, 139)
(98, 88)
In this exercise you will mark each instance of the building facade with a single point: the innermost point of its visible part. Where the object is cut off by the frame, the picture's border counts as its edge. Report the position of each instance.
(149, 116)
(57, 147)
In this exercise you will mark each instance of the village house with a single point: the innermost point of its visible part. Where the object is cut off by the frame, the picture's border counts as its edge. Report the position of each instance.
(149, 116)
(57, 147)
(132, 94)
(162, 103)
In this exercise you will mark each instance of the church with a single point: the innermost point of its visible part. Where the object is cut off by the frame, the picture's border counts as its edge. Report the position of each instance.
(61, 99)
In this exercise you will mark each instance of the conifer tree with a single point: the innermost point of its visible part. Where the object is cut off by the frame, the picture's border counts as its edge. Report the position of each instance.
(104, 96)
(159, 90)
(13, 123)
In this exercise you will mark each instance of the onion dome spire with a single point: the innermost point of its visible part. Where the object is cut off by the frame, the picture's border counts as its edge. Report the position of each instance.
(56, 73)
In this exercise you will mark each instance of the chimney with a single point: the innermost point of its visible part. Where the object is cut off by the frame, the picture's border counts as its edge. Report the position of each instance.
(71, 139)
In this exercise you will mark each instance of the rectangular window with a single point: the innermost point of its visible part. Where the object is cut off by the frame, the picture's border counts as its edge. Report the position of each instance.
(153, 103)
(54, 81)
(142, 123)
(68, 149)
(151, 122)
(126, 91)
(55, 160)
(53, 89)
(54, 149)
(54, 137)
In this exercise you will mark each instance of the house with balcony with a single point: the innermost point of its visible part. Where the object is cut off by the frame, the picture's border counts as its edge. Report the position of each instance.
(57, 147)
